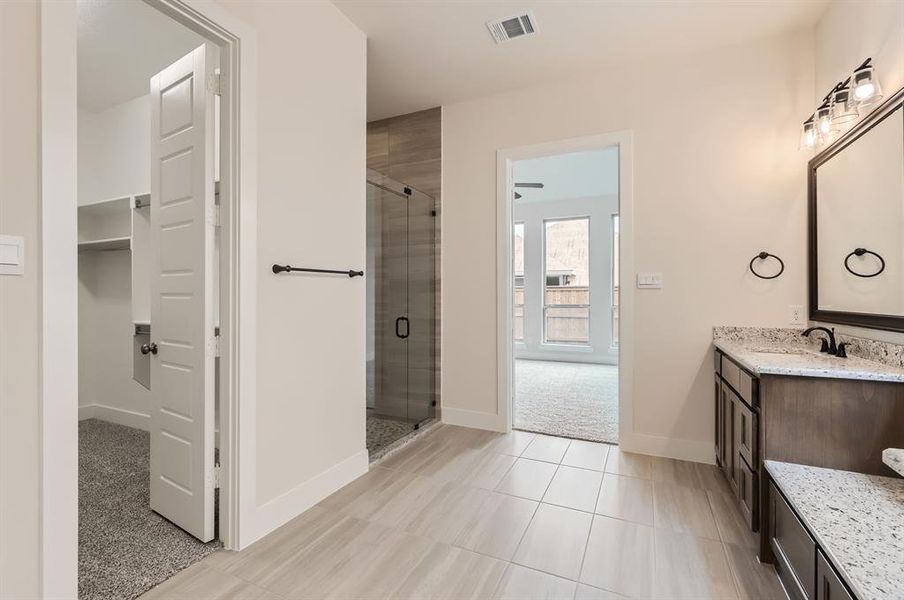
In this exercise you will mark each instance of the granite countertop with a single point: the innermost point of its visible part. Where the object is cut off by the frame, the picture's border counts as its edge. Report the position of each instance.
(804, 361)
(857, 520)
(894, 458)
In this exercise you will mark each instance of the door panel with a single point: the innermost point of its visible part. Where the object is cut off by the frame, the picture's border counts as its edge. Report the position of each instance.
(394, 284)
(182, 292)
(420, 283)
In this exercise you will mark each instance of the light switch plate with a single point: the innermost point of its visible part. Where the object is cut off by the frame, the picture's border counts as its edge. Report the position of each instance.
(649, 280)
(12, 255)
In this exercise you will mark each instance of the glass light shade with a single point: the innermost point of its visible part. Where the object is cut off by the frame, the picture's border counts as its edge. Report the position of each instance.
(809, 136)
(865, 86)
(844, 110)
(824, 119)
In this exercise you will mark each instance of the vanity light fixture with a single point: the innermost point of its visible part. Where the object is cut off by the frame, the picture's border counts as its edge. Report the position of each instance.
(841, 106)
(866, 87)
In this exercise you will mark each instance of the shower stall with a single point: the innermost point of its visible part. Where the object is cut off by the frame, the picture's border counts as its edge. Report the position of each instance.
(401, 340)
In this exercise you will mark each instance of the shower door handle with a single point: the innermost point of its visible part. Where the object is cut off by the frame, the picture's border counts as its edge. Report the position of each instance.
(398, 331)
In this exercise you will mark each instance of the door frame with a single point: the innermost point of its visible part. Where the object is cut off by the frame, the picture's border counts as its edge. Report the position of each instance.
(504, 283)
(59, 289)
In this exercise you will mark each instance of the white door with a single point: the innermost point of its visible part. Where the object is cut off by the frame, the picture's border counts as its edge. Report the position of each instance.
(182, 292)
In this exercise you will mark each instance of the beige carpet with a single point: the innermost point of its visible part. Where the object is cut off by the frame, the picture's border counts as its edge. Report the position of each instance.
(571, 400)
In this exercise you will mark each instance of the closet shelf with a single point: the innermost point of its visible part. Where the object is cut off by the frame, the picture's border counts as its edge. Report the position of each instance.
(117, 243)
(106, 207)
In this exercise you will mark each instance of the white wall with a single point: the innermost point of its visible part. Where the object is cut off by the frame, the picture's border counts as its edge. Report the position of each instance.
(114, 150)
(718, 178)
(20, 319)
(311, 197)
(114, 158)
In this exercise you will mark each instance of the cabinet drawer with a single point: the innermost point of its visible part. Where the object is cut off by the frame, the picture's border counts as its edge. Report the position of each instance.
(828, 583)
(748, 492)
(717, 361)
(731, 372)
(745, 384)
(748, 388)
(794, 549)
(745, 431)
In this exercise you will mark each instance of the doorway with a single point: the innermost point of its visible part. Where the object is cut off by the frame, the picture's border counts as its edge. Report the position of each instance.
(563, 336)
(401, 340)
(149, 297)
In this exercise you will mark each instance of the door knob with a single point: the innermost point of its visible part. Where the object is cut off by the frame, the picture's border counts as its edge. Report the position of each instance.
(149, 348)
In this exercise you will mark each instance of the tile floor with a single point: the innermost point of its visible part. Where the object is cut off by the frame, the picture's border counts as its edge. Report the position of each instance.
(462, 513)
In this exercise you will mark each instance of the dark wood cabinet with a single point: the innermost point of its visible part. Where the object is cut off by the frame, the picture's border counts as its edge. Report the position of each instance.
(792, 547)
(828, 583)
(737, 433)
(804, 569)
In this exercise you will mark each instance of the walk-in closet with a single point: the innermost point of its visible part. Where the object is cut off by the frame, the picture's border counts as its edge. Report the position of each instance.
(147, 273)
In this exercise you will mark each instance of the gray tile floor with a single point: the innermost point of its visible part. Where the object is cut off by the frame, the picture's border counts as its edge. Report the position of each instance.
(462, 513)
(572, 400)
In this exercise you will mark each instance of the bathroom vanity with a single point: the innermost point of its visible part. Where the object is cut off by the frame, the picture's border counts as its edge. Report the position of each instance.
(778, 398)
(832, 534)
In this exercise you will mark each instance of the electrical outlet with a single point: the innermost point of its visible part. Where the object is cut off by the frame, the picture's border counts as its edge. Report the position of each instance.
(796, 315)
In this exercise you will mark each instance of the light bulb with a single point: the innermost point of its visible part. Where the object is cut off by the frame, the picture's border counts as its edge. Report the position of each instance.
(864, 90)
(810, 138)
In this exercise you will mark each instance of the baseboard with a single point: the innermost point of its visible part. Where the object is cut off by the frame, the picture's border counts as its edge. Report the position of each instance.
(654, 445)
(120, 416)
(282, 509)
(472, 418)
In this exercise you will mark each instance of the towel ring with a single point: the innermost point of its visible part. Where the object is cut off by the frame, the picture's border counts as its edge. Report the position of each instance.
(861, 252)
(763, 256)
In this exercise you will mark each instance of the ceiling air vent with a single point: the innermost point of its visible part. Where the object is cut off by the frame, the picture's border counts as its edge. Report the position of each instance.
(510, 28)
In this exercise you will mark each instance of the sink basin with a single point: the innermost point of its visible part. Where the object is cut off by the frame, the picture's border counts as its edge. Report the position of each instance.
(784, 351)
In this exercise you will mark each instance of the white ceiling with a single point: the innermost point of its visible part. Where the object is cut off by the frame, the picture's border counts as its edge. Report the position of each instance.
(121, 45)
(425, 53)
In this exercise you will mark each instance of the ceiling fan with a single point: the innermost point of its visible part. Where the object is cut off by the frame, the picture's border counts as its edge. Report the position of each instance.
(527, 185)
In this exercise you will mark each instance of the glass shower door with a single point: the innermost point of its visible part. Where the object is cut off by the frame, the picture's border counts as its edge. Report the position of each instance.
(421, 307)
(400, 303)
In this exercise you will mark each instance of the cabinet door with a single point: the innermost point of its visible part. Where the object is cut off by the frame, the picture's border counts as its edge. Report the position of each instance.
(794, 549)
(730, 444)
(828, 584)
(720, 424)
(745, 429)
(748, 493)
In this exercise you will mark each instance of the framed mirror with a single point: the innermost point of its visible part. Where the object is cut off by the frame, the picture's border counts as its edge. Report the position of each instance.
(856, 223)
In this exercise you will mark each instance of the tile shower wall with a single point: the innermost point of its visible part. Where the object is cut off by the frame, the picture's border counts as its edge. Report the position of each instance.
(408, 148)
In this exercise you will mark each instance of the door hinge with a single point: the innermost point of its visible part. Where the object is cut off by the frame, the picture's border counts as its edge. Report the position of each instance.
(216, 476)
(213, 215)
(216, 346)
(216, 83)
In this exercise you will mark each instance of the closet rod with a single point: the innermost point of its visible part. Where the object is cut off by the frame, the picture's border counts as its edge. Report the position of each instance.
(288, 269)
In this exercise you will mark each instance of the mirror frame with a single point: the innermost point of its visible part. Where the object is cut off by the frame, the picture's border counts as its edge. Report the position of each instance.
(868, 320)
